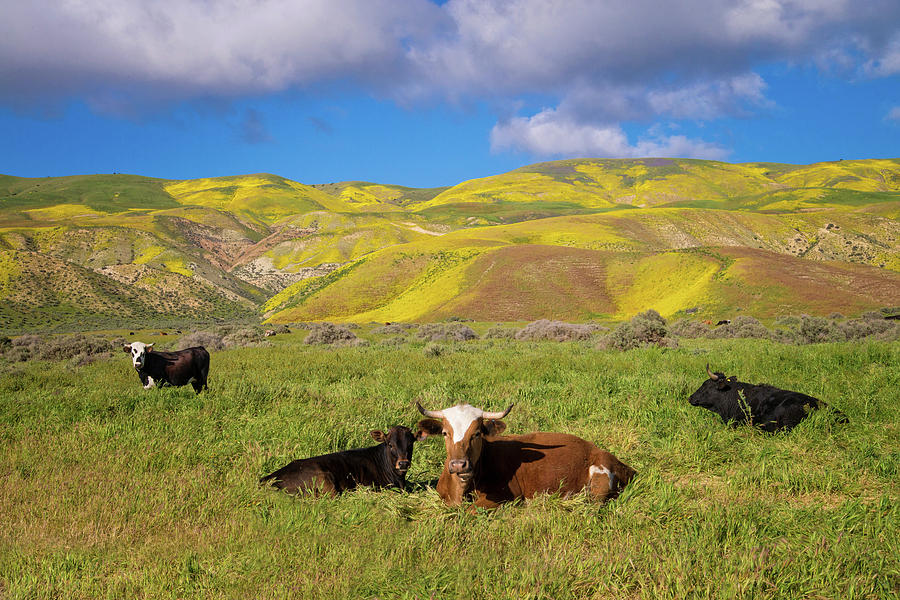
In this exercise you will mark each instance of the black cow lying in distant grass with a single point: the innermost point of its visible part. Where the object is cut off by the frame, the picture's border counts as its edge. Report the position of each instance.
(181, 367)
(763, 405)
(384, 465)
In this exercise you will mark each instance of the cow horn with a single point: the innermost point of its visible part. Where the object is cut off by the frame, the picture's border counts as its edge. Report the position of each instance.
(434, 414)
(497, 415)
(712, 375)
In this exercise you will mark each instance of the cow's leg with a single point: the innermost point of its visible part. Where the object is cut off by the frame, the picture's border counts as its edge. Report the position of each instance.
(201, 380)
(150, 383)
(324, 485)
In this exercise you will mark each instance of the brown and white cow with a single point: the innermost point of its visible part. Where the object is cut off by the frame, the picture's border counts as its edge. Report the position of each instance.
(492, 469)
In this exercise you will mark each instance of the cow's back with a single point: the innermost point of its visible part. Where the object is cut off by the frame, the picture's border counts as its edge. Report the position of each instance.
(181, 367)
(305, 474)
(775, 409)
(331, 473)
(521, 466)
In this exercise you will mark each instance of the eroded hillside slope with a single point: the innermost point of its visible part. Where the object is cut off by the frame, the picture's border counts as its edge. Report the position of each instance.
(571, 239)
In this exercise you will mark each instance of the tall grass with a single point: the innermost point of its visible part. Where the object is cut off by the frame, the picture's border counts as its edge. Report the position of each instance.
(111, 491)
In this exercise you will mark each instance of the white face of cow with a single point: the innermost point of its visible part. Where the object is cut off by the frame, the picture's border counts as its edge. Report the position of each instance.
(138, 351)
(463, 427)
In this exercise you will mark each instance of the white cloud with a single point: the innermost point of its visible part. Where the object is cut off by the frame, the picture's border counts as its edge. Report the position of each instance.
(710, 99)
(893, 114)
(599, 63)
(549, 134)
(886, 61)
(180, 49)
(520, 46)
(414, 48)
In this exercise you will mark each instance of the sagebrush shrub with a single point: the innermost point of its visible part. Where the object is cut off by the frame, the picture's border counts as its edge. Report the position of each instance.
(34, 347)
(394, 328)
(438, 332)
(788, 321)
(243, 338)
(816, 330)
(855, 329)
(329, 333)
(556, 331)
(500, 332)
(208, 339)
(688, 328)
(648, 328)
(889, 335)
(741, 327)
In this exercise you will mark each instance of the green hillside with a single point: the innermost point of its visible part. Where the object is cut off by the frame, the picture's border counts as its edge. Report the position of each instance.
(574, 239)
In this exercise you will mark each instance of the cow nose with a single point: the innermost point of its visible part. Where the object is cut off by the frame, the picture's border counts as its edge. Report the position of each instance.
(403, 465)
(459, 466)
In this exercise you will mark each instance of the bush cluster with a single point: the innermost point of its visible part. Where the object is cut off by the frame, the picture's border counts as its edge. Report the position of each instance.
(741, 327)
(645, 329)
(394, 328)
(439, 332)
(687, 328)
(499, 332)
(243, 338)
(330, 334)
(792, 329)
(814, 330)
(556, 331)
(208, 339)
(223, 337)
(79, 348)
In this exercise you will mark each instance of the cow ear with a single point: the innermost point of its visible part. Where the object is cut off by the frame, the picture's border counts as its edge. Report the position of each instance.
(378, 435)
(428, 427)
(149, 347)
(126, 349)
(722, 384)
(494, 426)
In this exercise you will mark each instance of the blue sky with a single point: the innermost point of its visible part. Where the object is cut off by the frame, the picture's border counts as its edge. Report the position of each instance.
(425, 94)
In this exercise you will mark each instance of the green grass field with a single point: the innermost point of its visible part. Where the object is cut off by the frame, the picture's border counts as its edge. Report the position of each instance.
(110, 491)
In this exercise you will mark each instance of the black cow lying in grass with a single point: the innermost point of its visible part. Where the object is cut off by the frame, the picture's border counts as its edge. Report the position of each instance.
(384, 465)
(765, 406)
(181, 367)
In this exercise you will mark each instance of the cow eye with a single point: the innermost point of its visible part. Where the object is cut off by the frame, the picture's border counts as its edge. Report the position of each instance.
(476, 434)
(444, 433)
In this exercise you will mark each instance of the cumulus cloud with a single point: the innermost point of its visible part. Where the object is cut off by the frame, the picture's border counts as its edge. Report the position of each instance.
(511, 46)
(886, 60)
(550, 134)
(178, 49)
(597, 63)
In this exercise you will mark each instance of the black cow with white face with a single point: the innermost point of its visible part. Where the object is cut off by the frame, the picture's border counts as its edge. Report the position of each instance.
(762, 405)
(181, 367)
(384, 465)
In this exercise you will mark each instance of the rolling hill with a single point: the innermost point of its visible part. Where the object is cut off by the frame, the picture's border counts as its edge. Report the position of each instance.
(574, 239)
